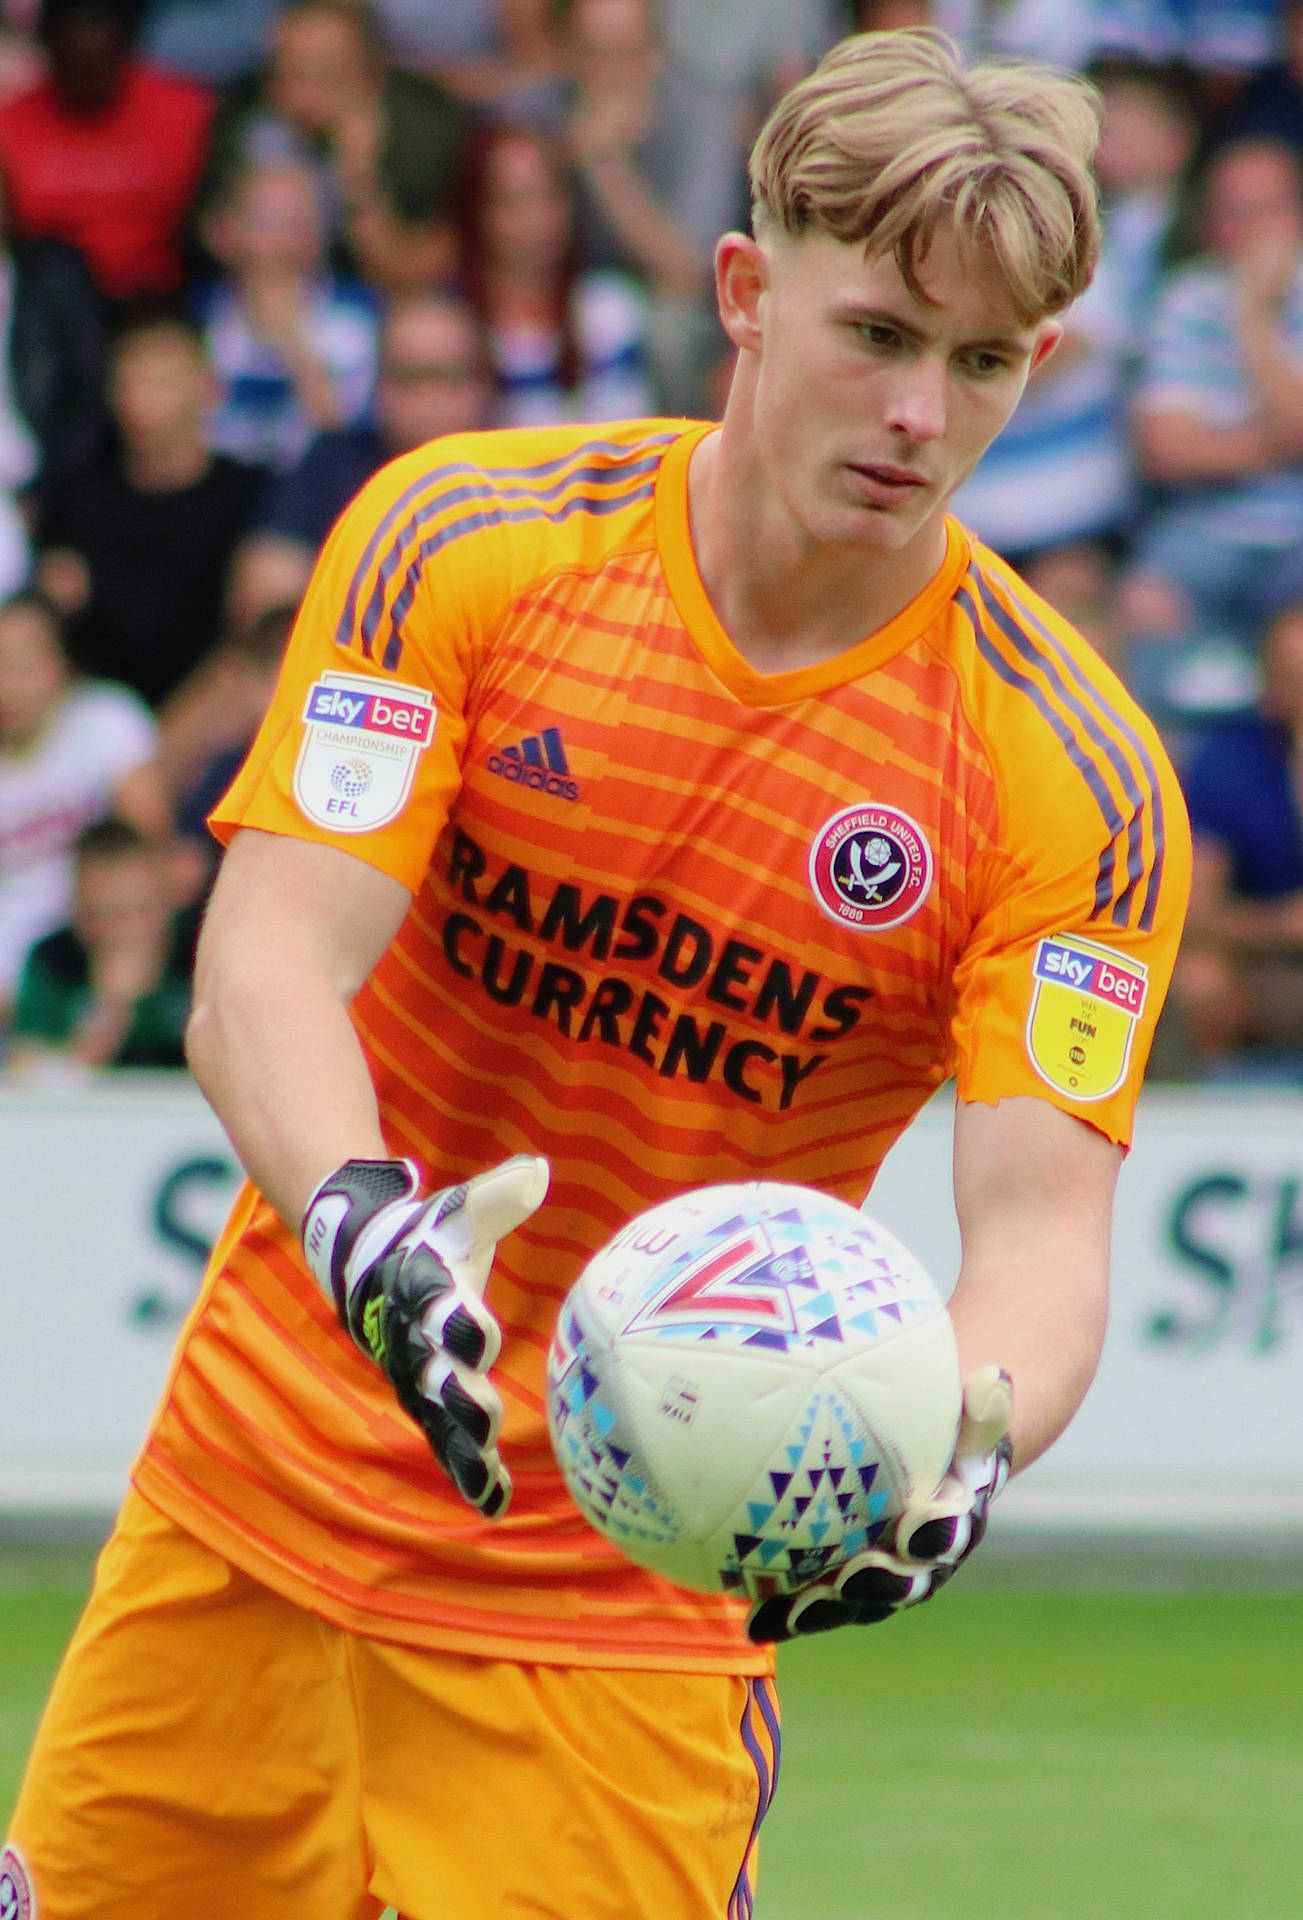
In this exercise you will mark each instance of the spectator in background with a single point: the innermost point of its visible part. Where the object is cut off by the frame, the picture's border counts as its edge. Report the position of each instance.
(636, 185)
(1270, 107)
(70, 752)
(1240, 977)
(112, 987)
(107, 151)
(207, 726)
(214, 41)
(52, 374)
(1148, 134)
(1219, 414)
(387, 144)
(1221, 40)
(434, 379)
(726, 64)
(501, 53)
(292, 346)
(137, 548)
(265, 572)
(567, 341)
(1060, 475)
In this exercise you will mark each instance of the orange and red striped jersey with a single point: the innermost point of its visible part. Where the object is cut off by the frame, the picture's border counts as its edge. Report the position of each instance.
(674, 921)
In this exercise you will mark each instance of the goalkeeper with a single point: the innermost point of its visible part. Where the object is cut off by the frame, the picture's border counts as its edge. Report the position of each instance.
(641, 807)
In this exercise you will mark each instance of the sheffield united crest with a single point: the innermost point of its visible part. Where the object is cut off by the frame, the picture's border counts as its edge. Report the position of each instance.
(871, 867)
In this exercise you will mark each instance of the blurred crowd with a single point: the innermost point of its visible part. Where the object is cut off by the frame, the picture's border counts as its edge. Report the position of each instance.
(252, 249)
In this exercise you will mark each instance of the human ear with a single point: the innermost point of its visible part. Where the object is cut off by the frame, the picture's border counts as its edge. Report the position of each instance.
(741, 277)
(1048, 336)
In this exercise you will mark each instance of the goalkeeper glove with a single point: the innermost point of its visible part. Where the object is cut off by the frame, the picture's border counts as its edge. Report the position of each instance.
(407, 1274)
(933, 1538)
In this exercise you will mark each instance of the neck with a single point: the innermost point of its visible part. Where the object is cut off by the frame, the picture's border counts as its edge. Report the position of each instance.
(785, 600)
(166, 466)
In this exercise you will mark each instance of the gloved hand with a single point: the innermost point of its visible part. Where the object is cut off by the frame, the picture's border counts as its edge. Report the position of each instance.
(407, 1274)
(932, 1538)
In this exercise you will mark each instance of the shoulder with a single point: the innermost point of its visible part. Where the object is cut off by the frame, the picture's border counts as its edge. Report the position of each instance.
(1025, 647)
(33, 107)
(520, 478)
(459, 528)
(159, 89)
(1081, 769)
(107, 716)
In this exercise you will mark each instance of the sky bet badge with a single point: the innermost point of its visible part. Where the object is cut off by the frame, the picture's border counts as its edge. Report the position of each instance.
(1083, 1018)
(362, 739)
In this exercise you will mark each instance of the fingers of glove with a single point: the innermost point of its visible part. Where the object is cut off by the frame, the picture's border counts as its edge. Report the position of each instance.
(477, 1472)
(815, 1610)
(939, 1528)
(883, 1581)
(457, 1321)
(464, 1224)
(468, 1398)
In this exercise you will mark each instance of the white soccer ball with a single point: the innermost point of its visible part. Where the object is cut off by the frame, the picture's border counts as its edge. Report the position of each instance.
(749, 1384)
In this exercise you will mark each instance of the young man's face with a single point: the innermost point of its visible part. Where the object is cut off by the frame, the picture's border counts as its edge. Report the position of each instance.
(870, 406)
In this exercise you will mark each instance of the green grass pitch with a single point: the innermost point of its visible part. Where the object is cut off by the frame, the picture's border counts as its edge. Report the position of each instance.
(1021, 1754)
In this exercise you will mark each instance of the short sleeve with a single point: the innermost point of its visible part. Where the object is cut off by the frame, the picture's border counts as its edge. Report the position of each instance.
(1080, 907)
(361, 746)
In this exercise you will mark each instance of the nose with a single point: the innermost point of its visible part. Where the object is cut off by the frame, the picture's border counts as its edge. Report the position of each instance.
(917, 406)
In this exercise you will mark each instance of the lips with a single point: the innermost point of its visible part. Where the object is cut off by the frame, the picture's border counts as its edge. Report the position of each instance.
(888, 476)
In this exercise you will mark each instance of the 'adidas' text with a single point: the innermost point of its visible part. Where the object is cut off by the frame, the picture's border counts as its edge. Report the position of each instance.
(538, 762)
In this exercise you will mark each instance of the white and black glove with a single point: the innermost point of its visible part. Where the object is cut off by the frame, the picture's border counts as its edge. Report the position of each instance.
(931, 1540)
(407, 1274)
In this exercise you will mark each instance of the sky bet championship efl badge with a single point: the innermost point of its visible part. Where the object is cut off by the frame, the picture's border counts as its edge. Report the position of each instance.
(362, 739)
(1083, 1018)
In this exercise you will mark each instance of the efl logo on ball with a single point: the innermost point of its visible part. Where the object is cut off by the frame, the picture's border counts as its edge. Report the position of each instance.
(871, 867)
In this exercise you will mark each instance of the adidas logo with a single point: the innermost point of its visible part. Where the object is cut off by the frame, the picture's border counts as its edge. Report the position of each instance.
(538, 762)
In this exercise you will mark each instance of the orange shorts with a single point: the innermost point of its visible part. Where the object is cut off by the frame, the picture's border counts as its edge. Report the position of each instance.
(210, 1750)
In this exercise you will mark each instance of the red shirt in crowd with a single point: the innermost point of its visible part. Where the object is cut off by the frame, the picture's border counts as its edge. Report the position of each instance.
(117, 184)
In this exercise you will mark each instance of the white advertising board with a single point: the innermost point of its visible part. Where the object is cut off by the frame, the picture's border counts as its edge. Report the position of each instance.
(112, 1195)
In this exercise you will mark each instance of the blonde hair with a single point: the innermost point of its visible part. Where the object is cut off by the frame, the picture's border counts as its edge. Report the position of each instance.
(891, 135)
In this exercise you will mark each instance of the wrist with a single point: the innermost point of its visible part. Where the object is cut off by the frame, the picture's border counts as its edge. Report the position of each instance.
(339, 1211)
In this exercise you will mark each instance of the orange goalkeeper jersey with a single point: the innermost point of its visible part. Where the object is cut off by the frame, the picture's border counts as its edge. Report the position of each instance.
(674, 921)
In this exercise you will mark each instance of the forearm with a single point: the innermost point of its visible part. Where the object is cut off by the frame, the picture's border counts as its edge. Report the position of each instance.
(663, 252)
(272, 1046)
(1034, 1196)
(1012, 1317)
(1177, 447)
